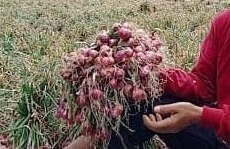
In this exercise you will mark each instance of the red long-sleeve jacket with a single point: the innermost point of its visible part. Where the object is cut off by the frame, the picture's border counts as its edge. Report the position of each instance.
(209, 80)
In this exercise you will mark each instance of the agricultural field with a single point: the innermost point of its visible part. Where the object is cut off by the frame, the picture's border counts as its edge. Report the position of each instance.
(34, 35)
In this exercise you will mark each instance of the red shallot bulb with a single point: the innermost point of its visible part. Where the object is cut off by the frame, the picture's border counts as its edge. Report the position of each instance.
(139, 94)
(113, 83)
(97, 94)
(124, 33)
(103, 37)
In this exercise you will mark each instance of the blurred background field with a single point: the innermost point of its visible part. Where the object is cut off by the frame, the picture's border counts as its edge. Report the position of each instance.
(35, 34)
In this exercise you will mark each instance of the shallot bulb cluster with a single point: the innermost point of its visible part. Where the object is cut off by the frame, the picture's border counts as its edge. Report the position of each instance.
(120, 68)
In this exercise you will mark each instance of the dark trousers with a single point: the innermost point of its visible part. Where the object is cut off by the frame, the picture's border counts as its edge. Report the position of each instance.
(193, 137)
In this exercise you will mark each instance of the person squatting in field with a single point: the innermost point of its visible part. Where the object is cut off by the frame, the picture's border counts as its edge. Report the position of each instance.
(194, 123)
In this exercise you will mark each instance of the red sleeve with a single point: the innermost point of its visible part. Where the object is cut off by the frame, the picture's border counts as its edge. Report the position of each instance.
(217, 119)
(199, 83)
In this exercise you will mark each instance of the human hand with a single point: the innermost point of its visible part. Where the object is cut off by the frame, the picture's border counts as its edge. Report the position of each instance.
(181, 115)
(81, 142)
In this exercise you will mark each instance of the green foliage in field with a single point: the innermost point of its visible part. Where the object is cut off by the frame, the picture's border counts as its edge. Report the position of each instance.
(35, 34)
